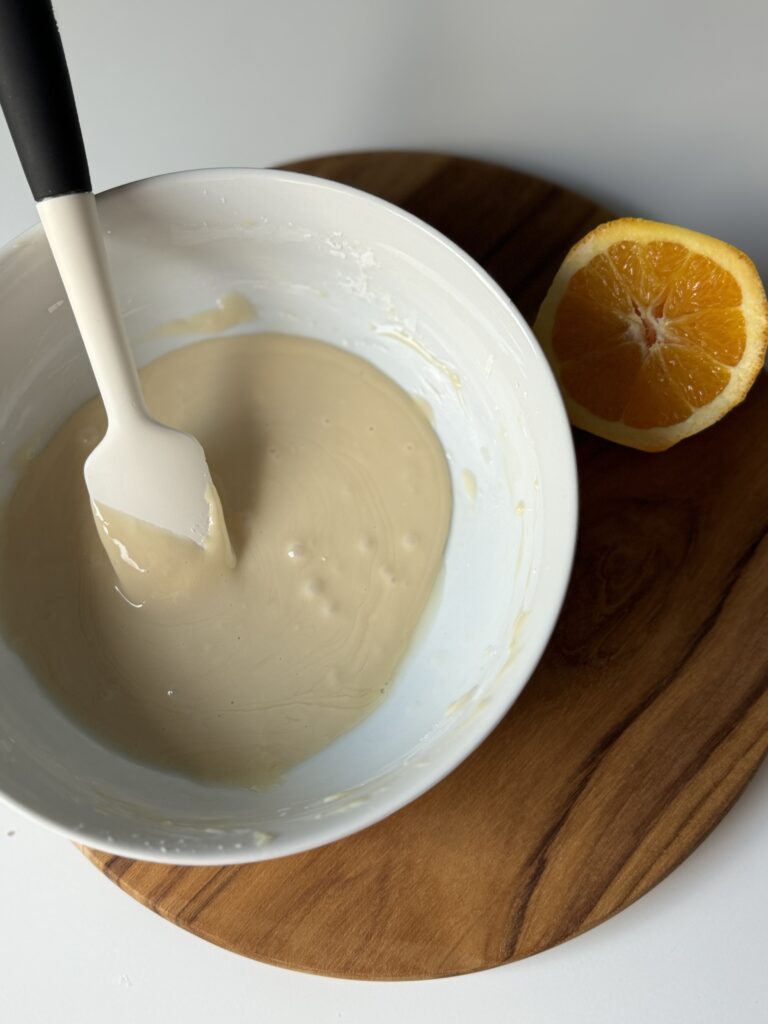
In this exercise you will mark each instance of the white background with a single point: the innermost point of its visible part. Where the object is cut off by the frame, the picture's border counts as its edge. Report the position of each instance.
(653, 108)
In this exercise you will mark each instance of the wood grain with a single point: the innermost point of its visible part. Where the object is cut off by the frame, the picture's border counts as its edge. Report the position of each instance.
(643, 723)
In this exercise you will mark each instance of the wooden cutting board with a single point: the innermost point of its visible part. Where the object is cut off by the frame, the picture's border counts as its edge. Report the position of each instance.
(642, 725)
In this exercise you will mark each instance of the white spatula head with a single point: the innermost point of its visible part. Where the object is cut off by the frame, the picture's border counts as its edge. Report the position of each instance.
(155, 474)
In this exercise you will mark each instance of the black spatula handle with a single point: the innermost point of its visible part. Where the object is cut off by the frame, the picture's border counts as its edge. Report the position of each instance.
(36, 97)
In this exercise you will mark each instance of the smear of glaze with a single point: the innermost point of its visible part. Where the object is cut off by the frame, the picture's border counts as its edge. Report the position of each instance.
(230, 310)
(398, 334)
(469, 483)
(461, 702)
(515, 643)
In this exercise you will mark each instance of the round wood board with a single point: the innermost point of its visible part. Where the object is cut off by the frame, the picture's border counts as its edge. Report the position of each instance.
(641, 726)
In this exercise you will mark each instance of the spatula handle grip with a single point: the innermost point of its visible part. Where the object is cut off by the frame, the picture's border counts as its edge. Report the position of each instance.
(36, 97)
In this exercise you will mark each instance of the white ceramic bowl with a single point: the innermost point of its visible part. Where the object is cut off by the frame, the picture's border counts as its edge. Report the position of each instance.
(327, 261)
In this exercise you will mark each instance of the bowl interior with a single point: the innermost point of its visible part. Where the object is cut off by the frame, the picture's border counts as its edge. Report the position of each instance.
(317, 259)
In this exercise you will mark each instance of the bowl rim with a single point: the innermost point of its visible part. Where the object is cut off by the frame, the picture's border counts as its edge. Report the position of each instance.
(337, 827)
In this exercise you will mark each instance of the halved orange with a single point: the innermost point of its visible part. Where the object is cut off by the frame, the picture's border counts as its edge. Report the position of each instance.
(653, 331)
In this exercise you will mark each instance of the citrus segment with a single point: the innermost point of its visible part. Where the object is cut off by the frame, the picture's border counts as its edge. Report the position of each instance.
(722, 333)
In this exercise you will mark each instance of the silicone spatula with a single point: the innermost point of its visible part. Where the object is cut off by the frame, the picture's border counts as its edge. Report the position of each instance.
(141, 467)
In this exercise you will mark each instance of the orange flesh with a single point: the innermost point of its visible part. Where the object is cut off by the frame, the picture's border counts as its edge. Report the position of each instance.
(647, 333)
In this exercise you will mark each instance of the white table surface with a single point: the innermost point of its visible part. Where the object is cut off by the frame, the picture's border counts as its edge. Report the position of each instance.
(655, 109)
